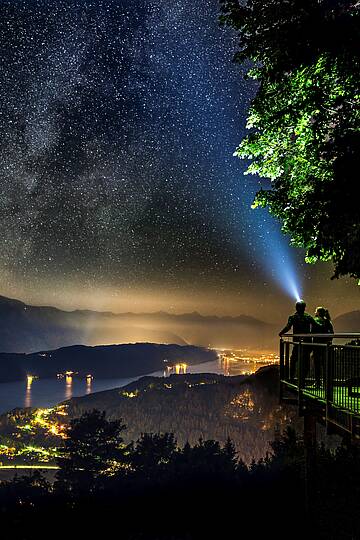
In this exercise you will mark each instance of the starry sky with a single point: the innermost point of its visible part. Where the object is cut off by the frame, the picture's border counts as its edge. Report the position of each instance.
(118, 185)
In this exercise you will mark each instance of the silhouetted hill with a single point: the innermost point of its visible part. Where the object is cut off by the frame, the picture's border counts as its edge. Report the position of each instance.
(348, 322)
(210, 406)
(107, 361)
(27, 329)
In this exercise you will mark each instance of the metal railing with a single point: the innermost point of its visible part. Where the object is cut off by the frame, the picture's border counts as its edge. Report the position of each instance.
(325, 368)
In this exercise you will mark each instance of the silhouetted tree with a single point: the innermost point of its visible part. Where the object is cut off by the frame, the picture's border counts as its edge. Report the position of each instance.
(152, 453)
(205, 463)
(93, 451)
(338, 496)
(305, 119)
(229, 452)
(25, 491)
(193, 489)
(287, 451)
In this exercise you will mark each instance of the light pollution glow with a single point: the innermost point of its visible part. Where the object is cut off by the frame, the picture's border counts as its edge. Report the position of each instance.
(263, 300)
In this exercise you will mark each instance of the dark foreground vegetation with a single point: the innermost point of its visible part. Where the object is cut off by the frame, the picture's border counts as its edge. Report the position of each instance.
(156, 490)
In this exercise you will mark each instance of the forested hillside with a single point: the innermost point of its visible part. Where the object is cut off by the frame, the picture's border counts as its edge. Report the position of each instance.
(204, 406)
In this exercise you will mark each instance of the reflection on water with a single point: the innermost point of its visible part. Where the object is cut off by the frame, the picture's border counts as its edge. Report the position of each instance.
(29, 382)
(68, 386)
(225, 364)
(48, 392)
(178, 369)
(89, 379)
(27, 402)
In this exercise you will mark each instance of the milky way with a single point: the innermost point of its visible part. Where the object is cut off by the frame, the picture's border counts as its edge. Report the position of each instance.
(118, 123)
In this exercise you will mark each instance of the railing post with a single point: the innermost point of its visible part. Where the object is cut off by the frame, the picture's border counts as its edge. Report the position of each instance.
(339, 371)
(281, 352)
(287, 360)
(282, 364)
(329, 382)
(300, 374)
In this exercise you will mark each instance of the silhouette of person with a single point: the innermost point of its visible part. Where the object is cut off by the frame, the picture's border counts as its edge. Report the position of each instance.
(323, 325)
(301, 323)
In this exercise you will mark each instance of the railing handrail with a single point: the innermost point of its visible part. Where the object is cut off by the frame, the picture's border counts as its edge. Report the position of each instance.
(330, 335)
(313, 368)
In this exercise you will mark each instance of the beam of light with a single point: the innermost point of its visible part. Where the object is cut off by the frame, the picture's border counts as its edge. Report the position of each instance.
(275, 254)
(267, 246)
(291, 285)
(259, 235)
(285, 274)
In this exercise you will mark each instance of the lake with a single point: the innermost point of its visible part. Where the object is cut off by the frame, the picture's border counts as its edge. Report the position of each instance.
(49, 392)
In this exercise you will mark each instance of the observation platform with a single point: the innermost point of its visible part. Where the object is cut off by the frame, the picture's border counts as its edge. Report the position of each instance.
(320, 373)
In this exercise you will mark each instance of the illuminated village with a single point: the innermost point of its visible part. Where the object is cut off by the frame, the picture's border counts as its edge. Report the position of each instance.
(32, 436)
(245, 362)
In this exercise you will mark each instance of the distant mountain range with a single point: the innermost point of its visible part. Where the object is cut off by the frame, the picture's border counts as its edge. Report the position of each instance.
(106, 361)
(348, 322)
(25, 328)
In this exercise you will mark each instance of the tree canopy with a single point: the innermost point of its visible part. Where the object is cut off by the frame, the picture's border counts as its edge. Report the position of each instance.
(166, 491)
(304, 120)
(93, 451)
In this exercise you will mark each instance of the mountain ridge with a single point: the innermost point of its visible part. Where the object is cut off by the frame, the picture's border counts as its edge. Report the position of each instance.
(194, 314)
(25, 328)
(348, 322)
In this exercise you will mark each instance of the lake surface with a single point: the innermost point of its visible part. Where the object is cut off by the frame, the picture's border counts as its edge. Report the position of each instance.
(49, 392)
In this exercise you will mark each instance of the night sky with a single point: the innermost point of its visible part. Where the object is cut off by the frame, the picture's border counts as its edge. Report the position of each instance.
(119, 189)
